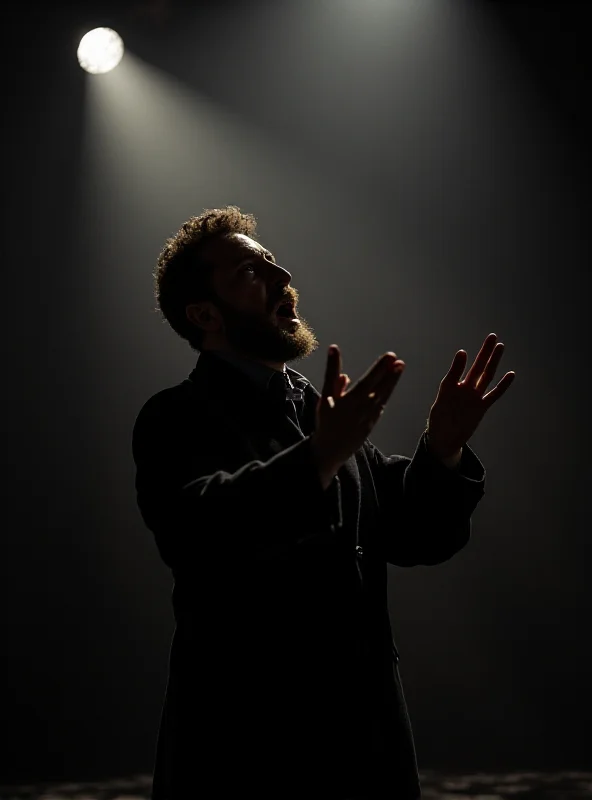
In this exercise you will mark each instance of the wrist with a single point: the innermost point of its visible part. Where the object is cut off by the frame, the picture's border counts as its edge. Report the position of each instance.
(449, 456)
(451, 461)
(326, 468)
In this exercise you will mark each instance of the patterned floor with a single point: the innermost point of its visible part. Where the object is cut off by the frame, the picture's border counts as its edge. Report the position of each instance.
(436, 786)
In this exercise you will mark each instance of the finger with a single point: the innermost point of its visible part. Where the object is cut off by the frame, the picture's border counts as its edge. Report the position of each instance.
(377, 371)
(491, 367)
(457, 368)
(342, 383)
(483, 356)
(332, 372)
(370, 419)
(491, 397)
(381, 393)
(376, 406)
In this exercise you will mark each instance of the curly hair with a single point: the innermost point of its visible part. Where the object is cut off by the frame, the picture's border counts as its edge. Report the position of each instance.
(182, 274)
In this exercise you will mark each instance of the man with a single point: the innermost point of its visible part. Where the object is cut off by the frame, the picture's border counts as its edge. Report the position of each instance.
(277, 518)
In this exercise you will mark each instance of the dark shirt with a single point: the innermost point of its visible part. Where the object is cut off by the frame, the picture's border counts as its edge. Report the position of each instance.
(262, 375)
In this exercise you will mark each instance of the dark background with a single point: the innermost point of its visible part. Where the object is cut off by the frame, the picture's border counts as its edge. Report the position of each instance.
(425, 176)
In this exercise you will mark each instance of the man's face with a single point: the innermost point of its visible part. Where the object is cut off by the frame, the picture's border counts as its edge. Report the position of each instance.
(257, 305)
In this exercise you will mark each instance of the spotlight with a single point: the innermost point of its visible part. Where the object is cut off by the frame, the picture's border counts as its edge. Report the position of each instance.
(100, 50)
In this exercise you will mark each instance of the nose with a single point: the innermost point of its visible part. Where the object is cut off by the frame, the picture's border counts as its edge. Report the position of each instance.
(279, 275)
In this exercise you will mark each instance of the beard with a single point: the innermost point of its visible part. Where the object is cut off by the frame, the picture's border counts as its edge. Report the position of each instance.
(261, 336)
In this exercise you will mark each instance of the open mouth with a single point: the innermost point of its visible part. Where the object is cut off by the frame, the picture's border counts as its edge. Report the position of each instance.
(286, 311)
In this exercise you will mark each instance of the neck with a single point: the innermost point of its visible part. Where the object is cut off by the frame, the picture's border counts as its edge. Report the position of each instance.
(278, 365)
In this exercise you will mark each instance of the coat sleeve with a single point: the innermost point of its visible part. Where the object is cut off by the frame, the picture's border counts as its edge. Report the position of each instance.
(196, 506)
(425, 507)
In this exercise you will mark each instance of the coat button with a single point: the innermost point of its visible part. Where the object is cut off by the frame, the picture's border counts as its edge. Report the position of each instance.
(359, 551)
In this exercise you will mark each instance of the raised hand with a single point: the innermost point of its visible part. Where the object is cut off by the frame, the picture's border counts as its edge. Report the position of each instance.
(345, 416)
(461, 404)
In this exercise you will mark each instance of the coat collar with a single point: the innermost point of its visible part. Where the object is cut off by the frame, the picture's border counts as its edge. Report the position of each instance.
(223, 385)
(258, 373)
(216, 370)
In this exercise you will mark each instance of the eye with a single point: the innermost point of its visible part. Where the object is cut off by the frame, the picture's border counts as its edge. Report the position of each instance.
(248, 266)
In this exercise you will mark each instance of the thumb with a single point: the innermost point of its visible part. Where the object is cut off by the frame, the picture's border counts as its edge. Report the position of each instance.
(332, 372)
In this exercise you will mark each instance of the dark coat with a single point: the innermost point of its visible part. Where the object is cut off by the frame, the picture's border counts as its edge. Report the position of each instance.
(284, 678)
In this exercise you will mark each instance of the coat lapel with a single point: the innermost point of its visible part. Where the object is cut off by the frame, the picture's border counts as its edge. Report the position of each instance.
(243, 405)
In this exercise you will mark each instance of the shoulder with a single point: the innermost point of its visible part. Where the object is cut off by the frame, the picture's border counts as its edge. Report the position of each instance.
(169, 410)
(173, 398)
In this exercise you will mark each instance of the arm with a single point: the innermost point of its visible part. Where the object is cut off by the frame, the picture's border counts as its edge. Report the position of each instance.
(194, 503)
(425, 506)
(428, 501)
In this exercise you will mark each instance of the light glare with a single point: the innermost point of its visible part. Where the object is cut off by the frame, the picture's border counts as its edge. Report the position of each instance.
(100, 50)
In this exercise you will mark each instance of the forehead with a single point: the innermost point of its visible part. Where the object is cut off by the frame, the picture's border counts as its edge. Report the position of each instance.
(227, 251)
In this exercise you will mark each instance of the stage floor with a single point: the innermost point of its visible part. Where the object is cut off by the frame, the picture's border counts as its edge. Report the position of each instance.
(436, 786)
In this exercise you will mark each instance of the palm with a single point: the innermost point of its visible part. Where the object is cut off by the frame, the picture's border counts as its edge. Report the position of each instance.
(461, 404)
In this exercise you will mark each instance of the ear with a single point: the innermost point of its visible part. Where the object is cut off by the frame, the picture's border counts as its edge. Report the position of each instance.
(205, 315)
